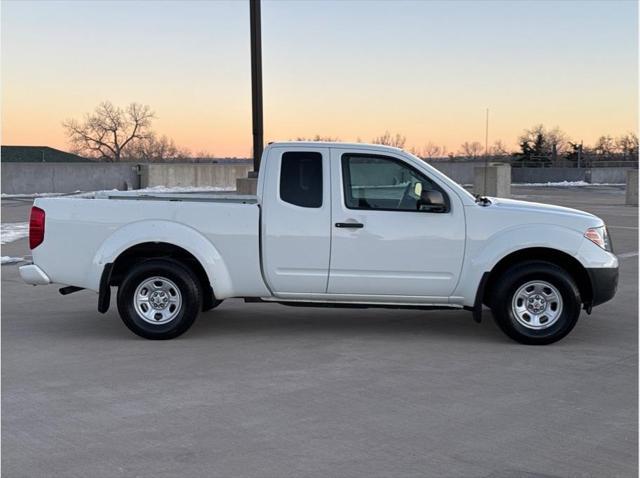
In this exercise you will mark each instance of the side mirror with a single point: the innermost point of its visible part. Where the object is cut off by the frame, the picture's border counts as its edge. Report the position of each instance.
(432, 201)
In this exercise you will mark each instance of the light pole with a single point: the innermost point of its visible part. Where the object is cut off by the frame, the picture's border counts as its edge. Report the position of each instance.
(486, 135)
(256, 84)
(486, 151)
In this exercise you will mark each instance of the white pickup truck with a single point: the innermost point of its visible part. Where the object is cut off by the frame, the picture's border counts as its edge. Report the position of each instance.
(332, 224)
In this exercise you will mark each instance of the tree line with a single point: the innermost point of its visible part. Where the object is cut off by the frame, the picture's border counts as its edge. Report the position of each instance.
(112, 133)
(537, 144)
(540, 144)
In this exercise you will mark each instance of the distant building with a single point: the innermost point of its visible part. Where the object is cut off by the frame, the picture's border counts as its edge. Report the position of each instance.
(38, 154)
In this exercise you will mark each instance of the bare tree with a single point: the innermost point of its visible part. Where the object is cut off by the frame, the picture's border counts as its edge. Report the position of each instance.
(153, 148)
(539, 142)
(431, 151)
(317, 137)
(605, 146)
(628, 145)
(109, 130)
(498, 149)
(558, 141)
(387, 139)
(471, 150)
(205, 154)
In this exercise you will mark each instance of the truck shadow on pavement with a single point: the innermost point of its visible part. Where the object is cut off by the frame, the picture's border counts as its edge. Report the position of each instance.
(275, 320)
(236, 320)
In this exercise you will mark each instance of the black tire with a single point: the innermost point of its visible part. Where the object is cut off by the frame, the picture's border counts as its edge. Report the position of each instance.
(189, 292)
(518, 275)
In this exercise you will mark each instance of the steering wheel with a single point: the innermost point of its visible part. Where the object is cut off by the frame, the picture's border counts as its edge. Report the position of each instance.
(405, 196)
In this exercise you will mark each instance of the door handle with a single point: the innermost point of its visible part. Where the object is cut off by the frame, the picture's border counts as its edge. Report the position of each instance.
(352, 225)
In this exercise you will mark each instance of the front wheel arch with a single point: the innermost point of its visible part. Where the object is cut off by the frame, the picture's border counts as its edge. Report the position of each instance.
(567, 262)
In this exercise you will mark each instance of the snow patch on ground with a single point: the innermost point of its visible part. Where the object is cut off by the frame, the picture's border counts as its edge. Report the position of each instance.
(567, 184)
(10, 260)
(13, 231)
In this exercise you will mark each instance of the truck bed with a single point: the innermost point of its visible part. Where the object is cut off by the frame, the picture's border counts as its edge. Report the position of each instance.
(86, 231)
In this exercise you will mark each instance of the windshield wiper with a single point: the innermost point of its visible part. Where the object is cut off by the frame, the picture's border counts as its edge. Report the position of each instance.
(482, 200)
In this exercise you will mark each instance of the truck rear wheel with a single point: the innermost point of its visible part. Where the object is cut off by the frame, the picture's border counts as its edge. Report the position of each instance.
(159, 299)
(535, 303)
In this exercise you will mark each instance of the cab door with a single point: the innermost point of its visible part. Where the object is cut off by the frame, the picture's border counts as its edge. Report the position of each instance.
(387, 242)
(296, 221)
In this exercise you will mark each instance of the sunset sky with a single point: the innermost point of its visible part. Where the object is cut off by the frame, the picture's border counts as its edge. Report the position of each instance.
(348, 69)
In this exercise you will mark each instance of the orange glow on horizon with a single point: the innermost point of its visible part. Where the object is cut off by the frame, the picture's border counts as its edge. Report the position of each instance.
(326, 71)
(230, 136)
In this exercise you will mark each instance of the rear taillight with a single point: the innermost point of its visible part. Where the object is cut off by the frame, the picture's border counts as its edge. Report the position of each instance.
(36, 227)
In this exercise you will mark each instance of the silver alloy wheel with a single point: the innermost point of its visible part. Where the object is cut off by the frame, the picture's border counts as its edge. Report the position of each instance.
(157, 300)
(537, 305)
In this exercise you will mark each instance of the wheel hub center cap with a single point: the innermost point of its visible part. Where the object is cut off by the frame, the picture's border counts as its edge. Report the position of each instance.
(159, 299)
(536, 303)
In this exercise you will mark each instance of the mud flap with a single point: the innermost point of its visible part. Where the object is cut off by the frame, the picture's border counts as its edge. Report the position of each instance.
(476, 311)
(104, 294)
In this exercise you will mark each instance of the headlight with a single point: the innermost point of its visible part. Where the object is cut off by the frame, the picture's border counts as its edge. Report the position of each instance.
(600, 237)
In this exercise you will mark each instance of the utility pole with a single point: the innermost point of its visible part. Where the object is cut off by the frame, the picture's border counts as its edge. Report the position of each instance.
(486, 135)
(486, 151)
(256, 84)
(580, 154)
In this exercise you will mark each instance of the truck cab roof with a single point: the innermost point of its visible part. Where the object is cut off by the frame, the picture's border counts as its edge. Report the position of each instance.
(332, 144)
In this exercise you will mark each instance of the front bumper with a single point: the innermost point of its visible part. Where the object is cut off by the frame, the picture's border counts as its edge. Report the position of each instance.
(604, 283)
(33, 275)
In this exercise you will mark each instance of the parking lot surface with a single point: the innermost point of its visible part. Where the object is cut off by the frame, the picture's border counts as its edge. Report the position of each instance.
(259, 390)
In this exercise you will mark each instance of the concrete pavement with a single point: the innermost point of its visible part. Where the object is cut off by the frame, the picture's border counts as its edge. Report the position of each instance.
(259, 390)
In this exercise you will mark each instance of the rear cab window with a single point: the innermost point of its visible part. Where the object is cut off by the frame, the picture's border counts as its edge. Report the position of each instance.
(301, 178)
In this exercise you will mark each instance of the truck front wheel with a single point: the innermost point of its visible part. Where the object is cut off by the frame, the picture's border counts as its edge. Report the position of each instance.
(159, 299)
(211, 305)
(535, 302)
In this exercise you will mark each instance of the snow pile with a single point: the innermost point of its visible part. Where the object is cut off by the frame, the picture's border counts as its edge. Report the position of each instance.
(153, 189)
(12, 231)
(35, 195)
(181, 189)
(567, 184)
(10, 260)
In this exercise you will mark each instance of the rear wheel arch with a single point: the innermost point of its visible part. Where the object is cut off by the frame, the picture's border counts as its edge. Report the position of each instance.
(145, 251)
(554, 256)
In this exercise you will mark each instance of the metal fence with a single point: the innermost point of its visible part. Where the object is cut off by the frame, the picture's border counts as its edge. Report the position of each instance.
(586, 163)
